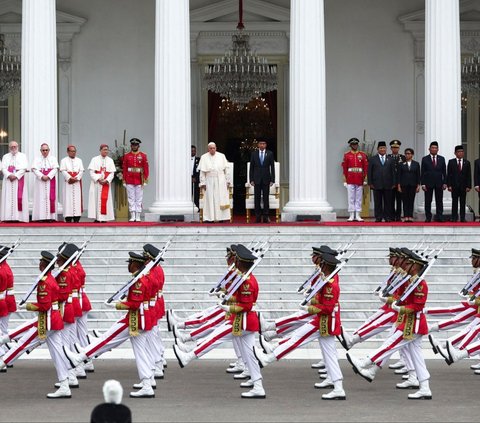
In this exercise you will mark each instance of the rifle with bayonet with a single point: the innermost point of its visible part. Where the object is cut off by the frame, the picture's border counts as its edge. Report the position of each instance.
(10, 250)
(143, 271)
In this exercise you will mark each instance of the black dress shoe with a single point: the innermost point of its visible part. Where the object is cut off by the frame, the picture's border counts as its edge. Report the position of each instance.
(463, 220)
(378, 220)
(428, 220)
(266, 219)
(258, 220)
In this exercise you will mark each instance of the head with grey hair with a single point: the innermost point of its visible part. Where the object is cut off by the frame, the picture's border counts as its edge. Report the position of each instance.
(112, 391)
(212, 148)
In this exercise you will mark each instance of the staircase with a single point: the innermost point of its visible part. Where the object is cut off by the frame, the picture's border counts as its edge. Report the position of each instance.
(195, 262)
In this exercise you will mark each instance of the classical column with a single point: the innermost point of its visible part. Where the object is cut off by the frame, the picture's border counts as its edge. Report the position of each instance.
(307, 135)
(39, 77)
(172, 111)
(442, 75)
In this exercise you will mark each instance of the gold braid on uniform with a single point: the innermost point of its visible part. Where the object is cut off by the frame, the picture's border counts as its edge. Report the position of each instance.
(121, 306)
(390, 300)
(405, 310)
(31, 307)
(313, 310)
(235, 309)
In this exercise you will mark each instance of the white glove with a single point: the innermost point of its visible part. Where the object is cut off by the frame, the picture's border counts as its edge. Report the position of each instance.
(465, 297)
(345, 184)
(212, 294)
(383, 299)
(376, 293)
(471, 302)
(396, 307)
(224, 307)
(364, 182)
(110, 305)
(22, 306)
(304, 307)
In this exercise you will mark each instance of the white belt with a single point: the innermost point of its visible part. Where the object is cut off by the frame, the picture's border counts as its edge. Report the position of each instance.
(160, 295)
(10, 292)
(2, 296)
(74, 294)
(145, 305)
(54, 306)
(355, 169)
(152, 303)
(69, 300)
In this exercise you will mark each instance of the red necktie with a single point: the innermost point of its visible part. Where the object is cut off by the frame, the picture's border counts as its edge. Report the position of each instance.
(459, 165)
(434, 161)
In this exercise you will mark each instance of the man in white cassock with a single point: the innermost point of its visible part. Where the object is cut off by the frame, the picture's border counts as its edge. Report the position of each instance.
(14, 206)
(100, 198)
(44, 170)
(72, 172)
(214, 181)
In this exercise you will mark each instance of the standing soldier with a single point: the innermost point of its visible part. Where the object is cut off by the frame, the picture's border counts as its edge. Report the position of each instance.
(355, 167)
(72, 171)
(135, 177)
(45, 169)
(398, 159)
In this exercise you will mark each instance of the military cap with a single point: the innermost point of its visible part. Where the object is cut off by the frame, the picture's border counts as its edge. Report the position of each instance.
(150, 251)
(68, 251)
(3, 251)
(330, 259)
(244, 254)
(415, 258)
(393, 251)
(395, 143)
(475, 253)
(353, 141)
(61, 245)
(47, 256)
(381, 144)
(324, 249)
(231, 249)
(406, 252)
(135, 141)
(136, 257)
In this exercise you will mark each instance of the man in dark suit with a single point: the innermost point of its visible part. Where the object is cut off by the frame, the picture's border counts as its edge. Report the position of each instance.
(195, 176)
(434, 180)
(459, 182)
(408, 183)
(398, 159)
(381, 179)
(476, 178)
(262, 177)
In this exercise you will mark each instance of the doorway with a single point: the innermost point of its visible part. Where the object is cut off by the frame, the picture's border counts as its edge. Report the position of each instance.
(236, 130)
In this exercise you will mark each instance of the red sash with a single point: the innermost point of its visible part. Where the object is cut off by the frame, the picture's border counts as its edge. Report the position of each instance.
(20, 185)
(52, 190)
(104, 194)
(73, 174)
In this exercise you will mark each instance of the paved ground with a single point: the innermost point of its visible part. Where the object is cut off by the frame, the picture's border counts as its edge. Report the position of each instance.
(203, 392)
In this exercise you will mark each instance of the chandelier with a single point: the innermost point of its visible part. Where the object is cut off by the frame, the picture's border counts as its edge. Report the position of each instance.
(471, 74)
(240, 75)
(10, 71)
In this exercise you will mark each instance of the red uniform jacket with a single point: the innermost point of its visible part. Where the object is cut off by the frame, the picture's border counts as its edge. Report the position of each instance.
(242, 316)
(327, 309)
(411, 319)
(81, 275)
(160, 277)
(355, 167)
(11, 303)
(65, 281)
(135, 168)
(76, 288)
(47, 303)
(137, 294)
(3, 292)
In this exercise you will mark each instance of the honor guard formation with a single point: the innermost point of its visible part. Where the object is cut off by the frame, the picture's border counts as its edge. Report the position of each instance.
(62, 305)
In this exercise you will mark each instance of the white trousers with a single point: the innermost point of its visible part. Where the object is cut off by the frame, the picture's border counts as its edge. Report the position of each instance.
(69, 335)
(355, 194)
(155, 345)
(245, 344)
(135, 197)
(396, 342)
(82, 330)
(3, 331)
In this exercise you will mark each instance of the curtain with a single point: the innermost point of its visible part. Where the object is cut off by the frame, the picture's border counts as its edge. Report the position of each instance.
(214, 102)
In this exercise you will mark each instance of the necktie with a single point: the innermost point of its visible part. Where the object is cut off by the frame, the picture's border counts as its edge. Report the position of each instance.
(382, 158)
(408, 165)
(459, 165)
(434, 159)
(261, 157)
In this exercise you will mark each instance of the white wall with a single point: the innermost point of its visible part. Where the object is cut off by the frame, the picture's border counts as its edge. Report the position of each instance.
(369, 76)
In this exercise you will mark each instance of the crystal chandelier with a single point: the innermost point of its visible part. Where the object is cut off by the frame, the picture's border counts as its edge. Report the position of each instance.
(471, 74)
(240, 75)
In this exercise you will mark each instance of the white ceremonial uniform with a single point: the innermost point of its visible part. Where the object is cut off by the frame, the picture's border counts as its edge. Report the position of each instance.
(213, 175)
(72, 193)
(14, 205)
(45, 192)
(100, 199)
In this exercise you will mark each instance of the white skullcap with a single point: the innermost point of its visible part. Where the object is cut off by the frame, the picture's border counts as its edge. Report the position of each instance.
(112, 391)
(211, 143)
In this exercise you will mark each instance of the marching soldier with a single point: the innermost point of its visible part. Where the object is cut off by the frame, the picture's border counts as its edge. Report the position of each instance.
(47, 329)
(410, 327)
(398, 159)
(132, 326)
(135, 177)
(355, 168)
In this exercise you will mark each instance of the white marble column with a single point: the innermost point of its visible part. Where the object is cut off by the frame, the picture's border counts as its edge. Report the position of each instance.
(39, 77)
(307, 135)
(442, 75)
(172, 111)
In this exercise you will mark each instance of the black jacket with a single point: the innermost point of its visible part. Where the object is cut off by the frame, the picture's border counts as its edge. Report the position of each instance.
(409, 177)
(459, 180)
(381, 176)
(262, 174)
(195, 172)
(433, 177)
(476, 173)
